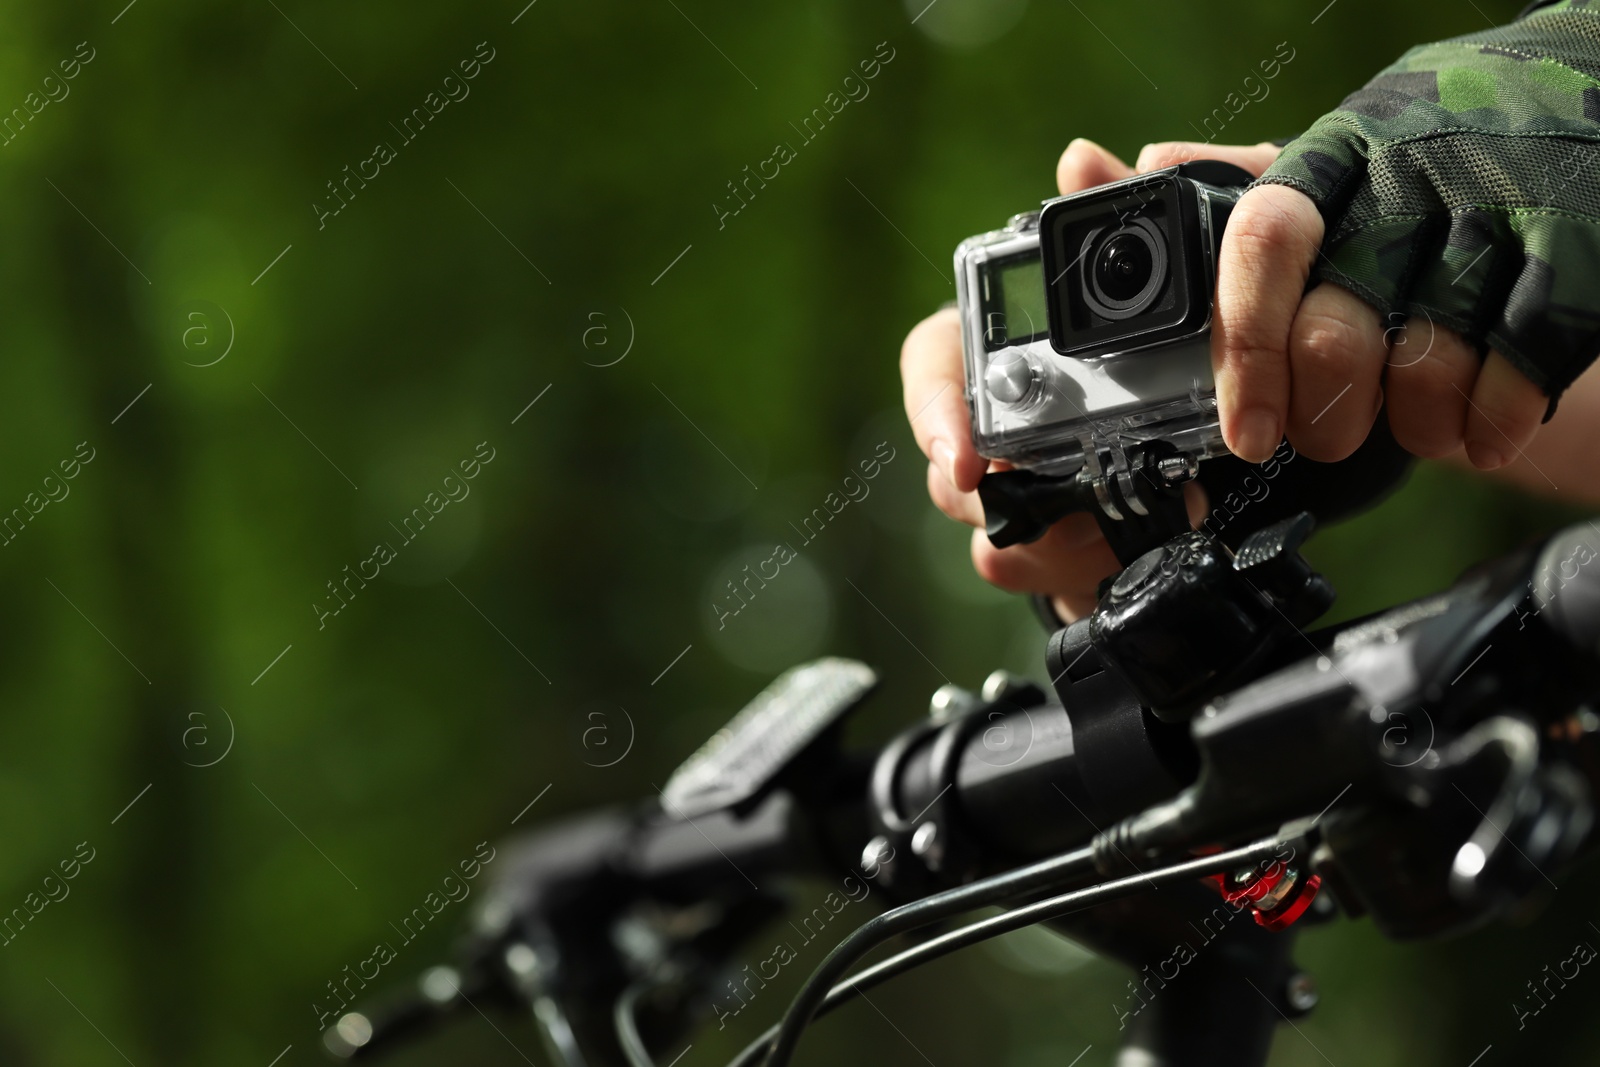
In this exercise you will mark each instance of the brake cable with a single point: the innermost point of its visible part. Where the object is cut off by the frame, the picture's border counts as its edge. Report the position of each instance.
(625, 1018)
(810, 1002)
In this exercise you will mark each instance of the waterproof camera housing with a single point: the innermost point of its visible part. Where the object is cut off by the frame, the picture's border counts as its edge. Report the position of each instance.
(1086, 325)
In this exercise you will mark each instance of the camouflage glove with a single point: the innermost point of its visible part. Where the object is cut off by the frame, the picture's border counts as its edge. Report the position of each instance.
(1463, 183)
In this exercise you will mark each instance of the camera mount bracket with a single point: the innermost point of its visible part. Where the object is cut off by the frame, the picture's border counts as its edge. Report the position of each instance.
(1135, 494)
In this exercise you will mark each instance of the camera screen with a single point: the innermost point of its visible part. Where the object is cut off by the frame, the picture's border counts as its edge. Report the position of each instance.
(1014, 302)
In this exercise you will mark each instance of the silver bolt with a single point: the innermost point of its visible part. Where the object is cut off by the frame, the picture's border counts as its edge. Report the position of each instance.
(998, 685)
(948, 702)
(925, 843)
(1301, 992)
(872, 857)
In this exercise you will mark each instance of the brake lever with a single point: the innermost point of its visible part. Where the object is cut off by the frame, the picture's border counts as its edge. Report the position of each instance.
(1538, 817)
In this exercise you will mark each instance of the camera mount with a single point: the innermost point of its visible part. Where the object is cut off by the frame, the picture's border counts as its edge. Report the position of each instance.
(1135, 495)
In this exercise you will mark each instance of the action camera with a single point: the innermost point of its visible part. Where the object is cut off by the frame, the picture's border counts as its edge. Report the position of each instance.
(1086, 324)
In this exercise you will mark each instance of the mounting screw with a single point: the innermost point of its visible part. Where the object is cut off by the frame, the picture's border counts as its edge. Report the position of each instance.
(1175, 470)
(1301, 992)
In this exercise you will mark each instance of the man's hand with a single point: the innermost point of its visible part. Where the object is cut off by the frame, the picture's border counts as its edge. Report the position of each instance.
(1457, 188)
(1316, 366)
(1312, 366)
(1068, 563)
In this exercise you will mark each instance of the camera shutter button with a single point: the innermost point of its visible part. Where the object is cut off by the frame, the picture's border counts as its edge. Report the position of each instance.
(1010, 382)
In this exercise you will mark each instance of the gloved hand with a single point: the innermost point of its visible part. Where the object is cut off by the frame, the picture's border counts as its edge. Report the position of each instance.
(1462, 186)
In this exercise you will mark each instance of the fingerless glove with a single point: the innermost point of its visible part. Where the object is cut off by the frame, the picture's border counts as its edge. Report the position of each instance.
(1463, 184)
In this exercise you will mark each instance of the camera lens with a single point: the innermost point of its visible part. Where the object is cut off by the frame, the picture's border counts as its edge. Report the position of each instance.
(1126, 269)
(1123, 267)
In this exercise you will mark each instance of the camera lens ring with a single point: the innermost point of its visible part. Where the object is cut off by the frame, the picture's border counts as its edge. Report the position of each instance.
(1133, 250)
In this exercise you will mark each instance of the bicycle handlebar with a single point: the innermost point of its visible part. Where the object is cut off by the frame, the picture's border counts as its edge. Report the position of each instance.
(1394, 740)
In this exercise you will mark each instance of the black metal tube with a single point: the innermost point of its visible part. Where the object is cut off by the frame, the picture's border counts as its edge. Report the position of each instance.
(1033, 781)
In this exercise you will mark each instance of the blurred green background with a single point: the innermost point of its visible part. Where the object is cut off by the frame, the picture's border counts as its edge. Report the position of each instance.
(144, 611)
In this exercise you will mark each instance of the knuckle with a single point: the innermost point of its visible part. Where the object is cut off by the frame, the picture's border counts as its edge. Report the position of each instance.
(1433, 354)
(1257, 228)
(1325, 344)
(1436, 376)
(1270, 218)
(1256, 357)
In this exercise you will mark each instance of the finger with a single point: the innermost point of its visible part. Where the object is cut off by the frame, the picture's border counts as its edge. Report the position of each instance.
(1503, 414)
(1427, 380)
(963, 507)
(1565, 446)
(1068, 562)
(932, 379)
(1336, 353)
(1267, 252)
(1085, 165)
(1057, 565)
(1255, 158)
